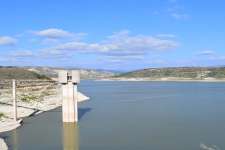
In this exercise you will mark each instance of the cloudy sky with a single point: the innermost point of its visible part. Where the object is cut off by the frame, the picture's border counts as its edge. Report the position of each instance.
(112, 34)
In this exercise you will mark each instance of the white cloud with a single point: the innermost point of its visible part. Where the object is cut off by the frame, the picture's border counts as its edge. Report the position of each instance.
(53, 33)
(52, 53)
(217, 58)
(177, 11)
(23, 53)
(166, 35)
(210, 55)
(124, 58)
(7, 40)
(206, 53)
(179, 16)
(120, 44)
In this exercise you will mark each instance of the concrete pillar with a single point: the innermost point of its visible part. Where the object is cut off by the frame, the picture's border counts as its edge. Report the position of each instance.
(69, 95)
(69, 102)
(14, 100)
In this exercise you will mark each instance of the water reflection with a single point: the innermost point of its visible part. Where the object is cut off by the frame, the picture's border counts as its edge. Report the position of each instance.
(70, 136)
(15, 139)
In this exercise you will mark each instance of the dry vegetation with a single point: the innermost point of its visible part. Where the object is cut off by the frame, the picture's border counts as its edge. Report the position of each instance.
(19, 73)
(182, 72)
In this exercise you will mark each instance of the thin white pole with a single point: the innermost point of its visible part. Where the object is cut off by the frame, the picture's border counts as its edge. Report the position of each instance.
(14, 99)
(76, 102)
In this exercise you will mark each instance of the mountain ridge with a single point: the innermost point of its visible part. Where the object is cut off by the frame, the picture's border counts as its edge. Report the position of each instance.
(167, 73)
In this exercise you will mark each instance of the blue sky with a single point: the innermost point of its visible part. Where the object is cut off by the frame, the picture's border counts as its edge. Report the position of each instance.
(113, 34)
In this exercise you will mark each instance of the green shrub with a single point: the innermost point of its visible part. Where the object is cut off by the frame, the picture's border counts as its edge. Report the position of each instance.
(28, 98)
(1, 115)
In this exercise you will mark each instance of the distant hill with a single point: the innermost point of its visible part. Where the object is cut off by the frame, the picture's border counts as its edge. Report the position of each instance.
(19, 73)
(195, 73)
(179, 73)
(84, 73)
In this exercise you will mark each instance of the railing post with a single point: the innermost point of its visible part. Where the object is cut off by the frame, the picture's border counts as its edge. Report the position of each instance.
(14, 99)
(76, 102)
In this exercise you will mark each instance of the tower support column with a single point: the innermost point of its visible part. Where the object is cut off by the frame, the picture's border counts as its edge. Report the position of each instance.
(69, 95)
(69, 102)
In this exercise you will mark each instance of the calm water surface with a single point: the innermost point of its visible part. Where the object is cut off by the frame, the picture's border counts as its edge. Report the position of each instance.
(132, 116)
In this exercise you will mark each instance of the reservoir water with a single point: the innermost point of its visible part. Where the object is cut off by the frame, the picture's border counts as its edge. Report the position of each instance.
(132, 116)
